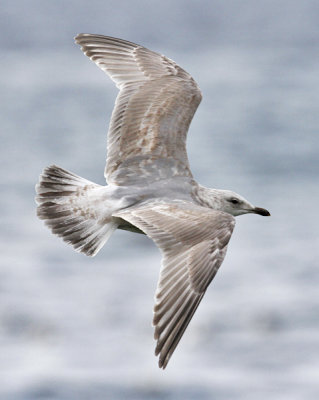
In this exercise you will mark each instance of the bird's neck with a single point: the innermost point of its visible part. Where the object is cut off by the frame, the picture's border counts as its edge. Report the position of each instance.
(208, 197)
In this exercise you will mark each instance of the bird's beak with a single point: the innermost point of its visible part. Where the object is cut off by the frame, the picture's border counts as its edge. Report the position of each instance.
(261, 211)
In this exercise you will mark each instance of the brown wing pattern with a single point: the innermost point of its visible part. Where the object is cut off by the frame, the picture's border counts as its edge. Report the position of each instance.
(193, 241)
(152, 112)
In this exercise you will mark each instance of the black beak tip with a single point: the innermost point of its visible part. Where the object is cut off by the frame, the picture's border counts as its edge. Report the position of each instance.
(262, 211)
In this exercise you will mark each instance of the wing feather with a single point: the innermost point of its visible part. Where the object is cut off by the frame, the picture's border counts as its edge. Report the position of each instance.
(193, 241)
(152, 113)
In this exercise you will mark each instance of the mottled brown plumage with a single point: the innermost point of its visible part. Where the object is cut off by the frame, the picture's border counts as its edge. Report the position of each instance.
(153, 110)
(150, 188)
(193, 241)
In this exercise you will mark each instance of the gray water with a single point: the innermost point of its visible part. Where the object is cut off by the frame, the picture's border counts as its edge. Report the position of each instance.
(78, 328)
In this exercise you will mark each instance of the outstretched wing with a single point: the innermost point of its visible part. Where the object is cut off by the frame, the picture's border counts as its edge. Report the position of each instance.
(152, 113)
(193, 241)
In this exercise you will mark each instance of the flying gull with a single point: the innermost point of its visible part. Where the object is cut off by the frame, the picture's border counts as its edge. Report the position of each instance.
(150, 188)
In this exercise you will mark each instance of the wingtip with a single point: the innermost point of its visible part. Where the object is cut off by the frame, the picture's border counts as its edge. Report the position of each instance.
(163, 358)
(78, 37)
(162, 363)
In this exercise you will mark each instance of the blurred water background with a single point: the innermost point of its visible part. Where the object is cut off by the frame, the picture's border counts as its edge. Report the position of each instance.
(78, 328)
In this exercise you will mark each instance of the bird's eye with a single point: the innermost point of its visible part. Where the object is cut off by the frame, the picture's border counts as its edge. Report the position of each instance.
(234, 201)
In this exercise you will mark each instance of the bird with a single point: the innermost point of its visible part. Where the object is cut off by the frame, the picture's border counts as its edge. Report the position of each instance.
(150, 187)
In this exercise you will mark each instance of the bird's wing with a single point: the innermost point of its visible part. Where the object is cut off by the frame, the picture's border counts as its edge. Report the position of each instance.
(193, 242)
(152, 113)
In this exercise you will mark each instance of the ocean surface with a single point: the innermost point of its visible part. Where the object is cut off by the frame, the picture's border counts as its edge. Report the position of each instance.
(76, 328)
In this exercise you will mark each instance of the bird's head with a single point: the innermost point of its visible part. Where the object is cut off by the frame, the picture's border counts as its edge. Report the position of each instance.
(234, 204)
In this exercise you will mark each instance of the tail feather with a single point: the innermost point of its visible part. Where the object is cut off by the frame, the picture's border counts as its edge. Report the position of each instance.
(70, 207)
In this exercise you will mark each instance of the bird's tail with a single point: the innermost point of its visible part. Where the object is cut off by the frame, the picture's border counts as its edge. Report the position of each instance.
(71, 207)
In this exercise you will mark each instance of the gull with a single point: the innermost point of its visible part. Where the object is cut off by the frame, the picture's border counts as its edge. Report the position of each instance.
(150, 188)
